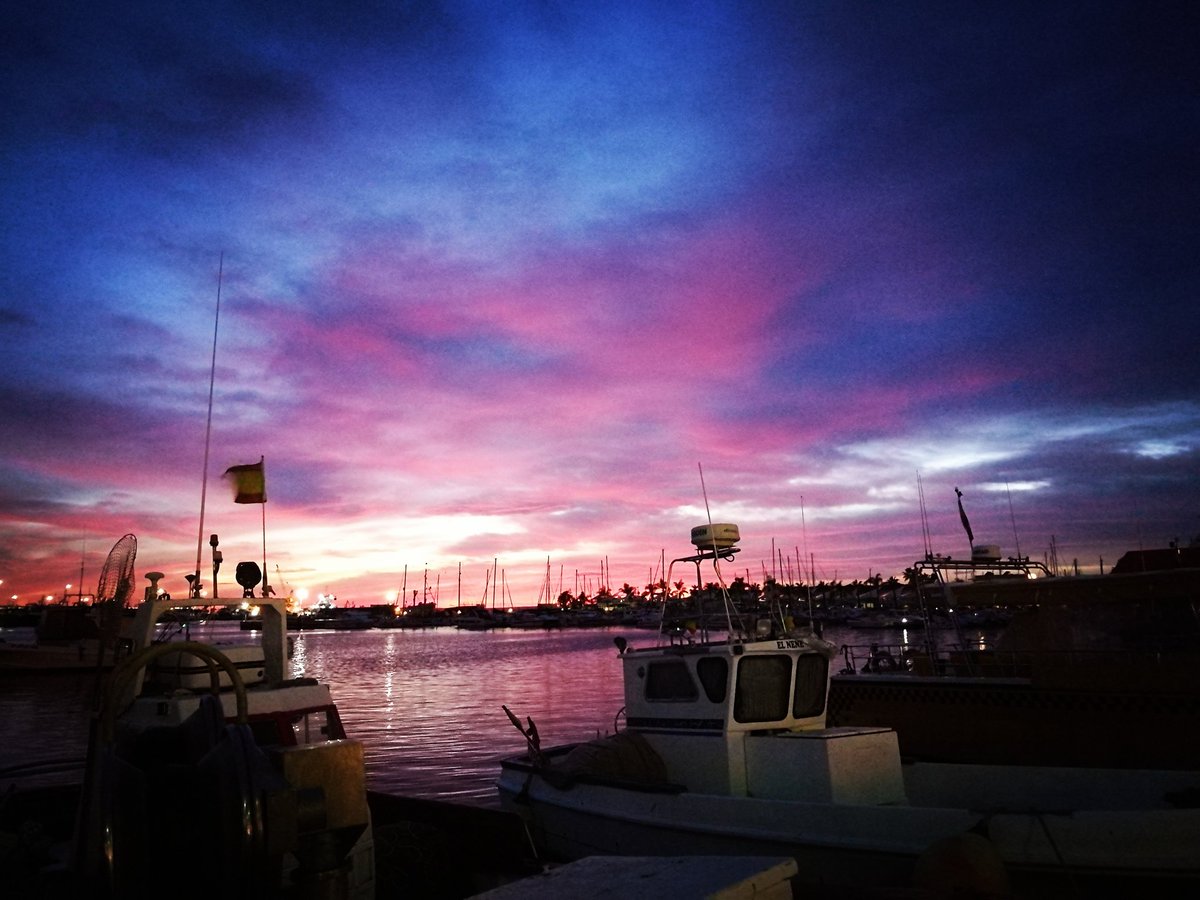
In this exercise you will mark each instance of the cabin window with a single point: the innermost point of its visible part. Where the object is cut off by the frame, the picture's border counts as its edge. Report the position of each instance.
(812, 682)
(714, 677)
(670, 680)
(764, 684)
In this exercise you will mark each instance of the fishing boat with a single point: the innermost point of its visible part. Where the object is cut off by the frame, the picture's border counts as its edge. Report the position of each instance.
(250, 774)
(260, 778)
(66, 638)
(212, 772)
(725, 749)
(73, 637)
(1090, 670)
(231, 758)
(260, 774)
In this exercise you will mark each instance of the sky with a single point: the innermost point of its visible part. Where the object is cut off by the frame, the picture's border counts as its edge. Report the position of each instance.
(538, 287)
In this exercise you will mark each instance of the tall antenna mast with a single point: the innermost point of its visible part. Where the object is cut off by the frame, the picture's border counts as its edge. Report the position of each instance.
(704, 491)
(212, 380)
(720, 579)
(924, 516)
(804, 533)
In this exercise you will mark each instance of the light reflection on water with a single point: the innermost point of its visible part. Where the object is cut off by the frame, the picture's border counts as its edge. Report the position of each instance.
(425, 703)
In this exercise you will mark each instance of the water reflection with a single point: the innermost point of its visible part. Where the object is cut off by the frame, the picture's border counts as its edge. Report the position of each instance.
(425, 704)
(46, 720)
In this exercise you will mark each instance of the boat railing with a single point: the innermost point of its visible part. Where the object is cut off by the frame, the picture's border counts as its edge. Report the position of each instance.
(908, 659)
(1098, 668)
(878, 658)
(272, 611)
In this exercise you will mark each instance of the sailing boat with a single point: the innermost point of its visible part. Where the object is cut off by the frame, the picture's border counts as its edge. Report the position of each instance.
(546, 615)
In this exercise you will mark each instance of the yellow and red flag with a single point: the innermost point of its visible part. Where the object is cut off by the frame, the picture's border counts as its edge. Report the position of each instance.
(249, 482)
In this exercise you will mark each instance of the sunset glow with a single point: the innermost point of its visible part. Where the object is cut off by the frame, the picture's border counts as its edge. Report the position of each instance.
(498, 280)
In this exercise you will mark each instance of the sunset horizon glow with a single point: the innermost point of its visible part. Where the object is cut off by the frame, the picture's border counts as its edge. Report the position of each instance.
(499, 284)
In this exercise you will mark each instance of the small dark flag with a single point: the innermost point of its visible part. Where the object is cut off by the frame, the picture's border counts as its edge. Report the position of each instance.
(962, 514)
(249, 482)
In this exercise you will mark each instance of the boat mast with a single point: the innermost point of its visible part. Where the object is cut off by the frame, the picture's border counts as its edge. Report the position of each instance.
(1013, 516)
(924, 517)
(266, 588)
(212, 380)
(82, 557)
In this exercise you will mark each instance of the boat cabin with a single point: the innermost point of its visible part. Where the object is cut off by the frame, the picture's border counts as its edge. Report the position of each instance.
(281, 711)
(260, 774)
(708, 688)
(748, 719)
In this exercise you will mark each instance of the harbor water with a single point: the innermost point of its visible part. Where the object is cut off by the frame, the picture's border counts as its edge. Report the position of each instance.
(427, 704)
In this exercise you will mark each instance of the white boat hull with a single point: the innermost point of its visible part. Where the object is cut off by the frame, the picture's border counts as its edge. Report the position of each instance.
(726, 750)
(849, 844)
